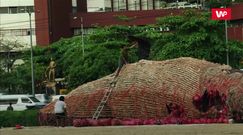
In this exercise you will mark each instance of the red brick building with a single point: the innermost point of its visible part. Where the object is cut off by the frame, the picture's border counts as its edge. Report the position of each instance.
(235, 31)
(55, 19)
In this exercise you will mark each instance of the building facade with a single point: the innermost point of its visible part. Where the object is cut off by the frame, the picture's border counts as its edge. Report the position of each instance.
(63, 18)
(15, 21)
(235, 30)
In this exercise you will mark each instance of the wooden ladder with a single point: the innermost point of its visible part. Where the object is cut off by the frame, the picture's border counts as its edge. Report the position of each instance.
(104, 99)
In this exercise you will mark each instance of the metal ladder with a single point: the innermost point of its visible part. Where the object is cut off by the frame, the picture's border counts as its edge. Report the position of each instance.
(104, 99)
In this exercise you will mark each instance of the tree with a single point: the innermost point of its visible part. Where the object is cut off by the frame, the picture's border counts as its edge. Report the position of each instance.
(194, 35)
(17, 78)
(9, 51)
(100, 57)
(218, 3)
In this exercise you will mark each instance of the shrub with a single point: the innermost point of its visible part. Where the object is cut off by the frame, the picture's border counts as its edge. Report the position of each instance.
(24, 118)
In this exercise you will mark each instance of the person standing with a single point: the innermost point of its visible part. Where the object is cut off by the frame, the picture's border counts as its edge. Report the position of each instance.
(123, 59)
(60, 111)
(143, 46)
(10, 107)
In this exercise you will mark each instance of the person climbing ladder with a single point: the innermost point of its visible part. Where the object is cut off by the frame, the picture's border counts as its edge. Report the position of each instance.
(143, 50)
(123, 59)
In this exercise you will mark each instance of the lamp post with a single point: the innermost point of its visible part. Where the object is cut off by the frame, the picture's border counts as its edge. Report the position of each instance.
(226, 42)
(135, 3)
(31, 53)
(82, 32)
(226, 39)
(217, 15)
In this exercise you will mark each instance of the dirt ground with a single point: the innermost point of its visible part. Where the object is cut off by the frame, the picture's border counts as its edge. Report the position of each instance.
(212, 129)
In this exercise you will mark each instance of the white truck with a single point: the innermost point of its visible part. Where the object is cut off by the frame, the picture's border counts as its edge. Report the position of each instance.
(19, 102)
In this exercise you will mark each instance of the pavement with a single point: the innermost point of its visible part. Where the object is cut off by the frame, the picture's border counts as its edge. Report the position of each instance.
(198, 129)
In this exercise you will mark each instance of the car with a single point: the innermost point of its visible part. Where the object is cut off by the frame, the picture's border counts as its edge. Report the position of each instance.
(189, 5)
(171, 5)
(19, 102)
(44, 98)
(56, 97)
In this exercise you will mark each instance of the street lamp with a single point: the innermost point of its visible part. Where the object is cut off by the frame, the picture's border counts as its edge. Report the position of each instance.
(31, 53)
(226, 39)
(226, 42)
(135, 2)
(82, 32)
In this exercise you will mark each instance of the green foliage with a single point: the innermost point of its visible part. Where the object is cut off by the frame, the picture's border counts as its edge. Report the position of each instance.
(218, 4)
(20, 77)
(170, 21)
(58, 51)
(194, 35)
(24, 118)
(191, 35)
(101, 55)
(100, 60)
(97, 62)
(124, 18)
(238, 1)
(112, 33)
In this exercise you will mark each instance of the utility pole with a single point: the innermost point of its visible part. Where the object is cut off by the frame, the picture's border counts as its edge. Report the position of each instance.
(31, 53)
(82, 34)
(118, 5)
(135, 3)
(31, 56)
(226, 42)
(226, 16)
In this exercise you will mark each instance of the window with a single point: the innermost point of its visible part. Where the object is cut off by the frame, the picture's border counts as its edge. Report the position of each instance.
(13, 10)
(134, 4)
(19, 32)
(107, 9)
(74, 3)
(86, 31)
(3, 10)
(74, 9)
(33, 31)
(76, 32)
(16, 32)
(34, 99)
(25, 100)
(30, 8)
(5, 32)
(21, 9)
(13, 101)
(7, 101)
(118, 5)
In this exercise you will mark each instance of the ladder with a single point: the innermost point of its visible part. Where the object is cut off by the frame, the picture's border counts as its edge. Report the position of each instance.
(104, 99)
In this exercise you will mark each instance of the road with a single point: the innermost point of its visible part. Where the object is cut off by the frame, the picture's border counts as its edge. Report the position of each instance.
(210, 129)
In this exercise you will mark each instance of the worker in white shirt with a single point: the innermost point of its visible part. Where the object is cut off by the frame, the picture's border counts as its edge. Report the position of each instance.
(60, 111)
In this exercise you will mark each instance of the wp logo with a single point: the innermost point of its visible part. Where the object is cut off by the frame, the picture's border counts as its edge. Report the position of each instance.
(221, 13)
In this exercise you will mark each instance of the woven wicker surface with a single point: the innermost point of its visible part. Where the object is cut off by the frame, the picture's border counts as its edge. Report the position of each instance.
(144, 88)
